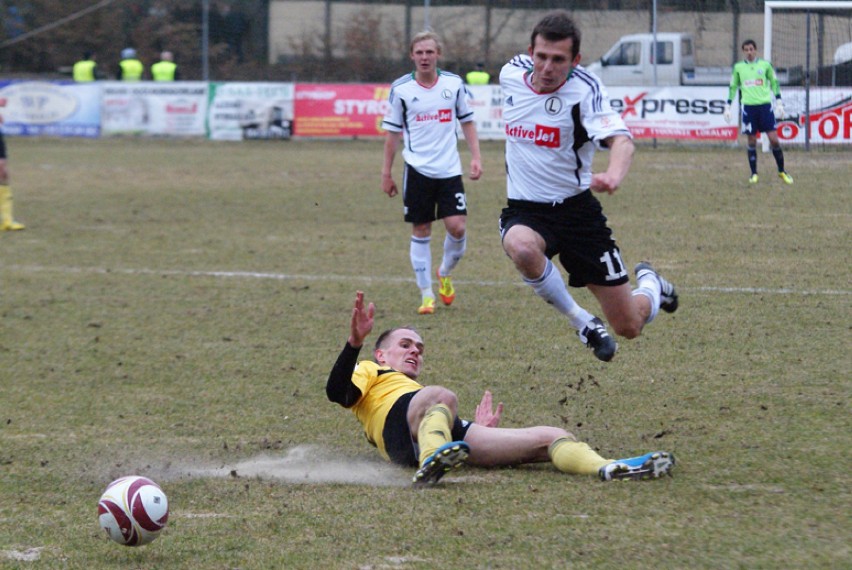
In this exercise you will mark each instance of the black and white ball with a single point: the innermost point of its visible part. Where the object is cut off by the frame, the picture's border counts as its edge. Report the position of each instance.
(133, 510)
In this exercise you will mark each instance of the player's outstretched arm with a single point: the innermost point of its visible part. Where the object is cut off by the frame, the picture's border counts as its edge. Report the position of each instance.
(339, 387)
(620, 158)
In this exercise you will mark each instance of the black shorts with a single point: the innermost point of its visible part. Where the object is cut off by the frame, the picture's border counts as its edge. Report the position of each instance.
(428, 199)
(399, 444)
(758, 119)
(576, 230)
(2, 147)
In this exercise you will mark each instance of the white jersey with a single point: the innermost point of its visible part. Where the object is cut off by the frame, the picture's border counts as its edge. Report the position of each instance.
(427, 118)
(551, 137)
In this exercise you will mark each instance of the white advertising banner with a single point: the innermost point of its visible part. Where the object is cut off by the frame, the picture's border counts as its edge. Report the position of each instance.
(691, 113)
(666, 112)
(41, 108)
(152, 108)
(696, 113)
(241, 111)
(487, 105)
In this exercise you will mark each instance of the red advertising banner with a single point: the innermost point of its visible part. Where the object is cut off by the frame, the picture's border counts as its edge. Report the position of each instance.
(340, 110)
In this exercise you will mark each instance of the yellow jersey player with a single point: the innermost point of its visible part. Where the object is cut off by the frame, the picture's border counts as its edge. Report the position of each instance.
(7, 221)
(418, 426)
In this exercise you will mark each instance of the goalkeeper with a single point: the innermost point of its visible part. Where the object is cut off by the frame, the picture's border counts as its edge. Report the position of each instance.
(755, 79)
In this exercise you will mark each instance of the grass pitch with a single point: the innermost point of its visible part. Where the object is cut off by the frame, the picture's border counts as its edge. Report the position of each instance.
(174, 307)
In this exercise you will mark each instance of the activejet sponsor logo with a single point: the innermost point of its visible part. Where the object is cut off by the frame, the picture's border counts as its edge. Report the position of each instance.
(442, 116)
(541, 135)
(643, 106)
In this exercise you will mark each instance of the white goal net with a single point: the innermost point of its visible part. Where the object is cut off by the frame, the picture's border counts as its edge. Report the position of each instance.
(810, 45)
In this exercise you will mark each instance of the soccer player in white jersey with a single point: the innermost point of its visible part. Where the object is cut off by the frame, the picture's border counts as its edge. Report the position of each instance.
(556, 114)
(424, 107)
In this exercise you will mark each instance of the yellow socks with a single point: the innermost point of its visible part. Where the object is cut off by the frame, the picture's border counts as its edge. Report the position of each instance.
(434, 431)
(7, 221)
(575, 457)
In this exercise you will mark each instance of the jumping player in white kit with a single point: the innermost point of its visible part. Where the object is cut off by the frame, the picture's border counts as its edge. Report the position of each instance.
(556, 114)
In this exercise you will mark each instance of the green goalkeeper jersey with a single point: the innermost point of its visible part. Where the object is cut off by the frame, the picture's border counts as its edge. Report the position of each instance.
(756, 81)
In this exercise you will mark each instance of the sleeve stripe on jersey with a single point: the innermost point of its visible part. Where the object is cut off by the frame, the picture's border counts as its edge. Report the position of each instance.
(597, 101)
(404, 79)
(522, 61)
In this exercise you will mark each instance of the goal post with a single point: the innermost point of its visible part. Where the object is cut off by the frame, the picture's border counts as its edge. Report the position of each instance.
(806, 39)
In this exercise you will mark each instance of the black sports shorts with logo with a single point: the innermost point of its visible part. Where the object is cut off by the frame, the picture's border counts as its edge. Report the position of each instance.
(428, 199)
(399, 444)
(576, 230)
(758, 119)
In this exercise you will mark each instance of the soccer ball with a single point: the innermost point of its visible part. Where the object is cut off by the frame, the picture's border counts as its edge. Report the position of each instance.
(133, 510)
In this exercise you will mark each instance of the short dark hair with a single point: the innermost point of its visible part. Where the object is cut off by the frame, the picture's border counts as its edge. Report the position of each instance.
(749, 42)
(382, 337)
(555, 26)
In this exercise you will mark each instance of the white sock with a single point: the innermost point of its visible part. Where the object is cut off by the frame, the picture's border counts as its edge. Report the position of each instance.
(421, 262)
(551, 287)
(453, 252)
(649, 286)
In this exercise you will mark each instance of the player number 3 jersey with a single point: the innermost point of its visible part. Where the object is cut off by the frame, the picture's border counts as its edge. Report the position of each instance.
(427, 118)
(551, 138)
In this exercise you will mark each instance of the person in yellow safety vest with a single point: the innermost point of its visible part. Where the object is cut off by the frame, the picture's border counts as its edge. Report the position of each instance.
(165, 69)
(479, 76)
(129, 68)
(86, 69)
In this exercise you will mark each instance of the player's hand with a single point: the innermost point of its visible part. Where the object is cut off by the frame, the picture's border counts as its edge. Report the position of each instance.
(485, 414)
(779, 110)
(727, 113)
(475, 169)
(604, 182)
(389, 186)
(362, 320)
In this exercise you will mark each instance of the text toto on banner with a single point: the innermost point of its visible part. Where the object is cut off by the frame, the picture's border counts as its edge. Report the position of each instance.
(830, 116)
(334, 110)
(152, 108)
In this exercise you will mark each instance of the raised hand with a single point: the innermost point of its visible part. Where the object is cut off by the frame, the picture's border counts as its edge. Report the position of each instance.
(362, 320)
(485, 414)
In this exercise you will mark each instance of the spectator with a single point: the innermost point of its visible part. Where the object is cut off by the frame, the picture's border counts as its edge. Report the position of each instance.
(129, 68)
(165, 69)
(478, 76)
(86, 69)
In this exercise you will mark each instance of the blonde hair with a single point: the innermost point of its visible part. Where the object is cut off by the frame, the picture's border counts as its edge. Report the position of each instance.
(422, 36)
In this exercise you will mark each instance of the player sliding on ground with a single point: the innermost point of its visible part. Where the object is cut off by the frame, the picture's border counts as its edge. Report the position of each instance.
(418, 426)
